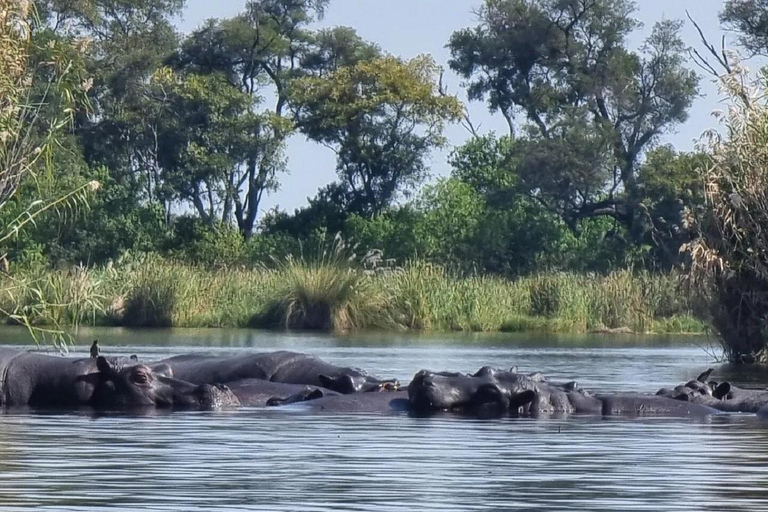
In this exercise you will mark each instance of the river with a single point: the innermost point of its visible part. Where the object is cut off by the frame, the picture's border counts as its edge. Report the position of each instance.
(281, 459)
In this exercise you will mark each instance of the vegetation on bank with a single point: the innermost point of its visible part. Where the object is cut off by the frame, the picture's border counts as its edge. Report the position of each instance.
(331, 295)
(576, 219)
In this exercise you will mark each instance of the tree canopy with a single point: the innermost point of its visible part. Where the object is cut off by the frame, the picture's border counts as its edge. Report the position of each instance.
(583, 107)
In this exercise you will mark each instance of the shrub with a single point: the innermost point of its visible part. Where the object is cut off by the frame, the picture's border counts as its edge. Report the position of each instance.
(326, 292)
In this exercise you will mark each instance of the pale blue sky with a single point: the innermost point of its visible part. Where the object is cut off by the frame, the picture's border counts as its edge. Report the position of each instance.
(410, 27)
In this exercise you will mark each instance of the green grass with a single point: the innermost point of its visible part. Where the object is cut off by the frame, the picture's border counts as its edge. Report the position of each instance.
(325, 292)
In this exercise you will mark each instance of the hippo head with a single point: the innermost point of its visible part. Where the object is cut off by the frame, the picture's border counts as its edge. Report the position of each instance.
(698, 389)
(351, 380)
(142, 386)
(429, 391)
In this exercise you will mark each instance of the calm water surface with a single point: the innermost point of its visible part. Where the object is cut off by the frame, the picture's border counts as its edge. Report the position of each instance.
(286, 460)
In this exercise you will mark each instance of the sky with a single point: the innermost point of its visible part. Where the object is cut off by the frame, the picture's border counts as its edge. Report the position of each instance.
(407, 28)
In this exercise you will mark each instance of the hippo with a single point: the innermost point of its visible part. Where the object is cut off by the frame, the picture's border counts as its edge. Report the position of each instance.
(41, 380)
(392, 402)
(261, 393)
(518, 394)
(491, 392)
(29, 378)
(283, 366)
(722, 396)
(140, 386)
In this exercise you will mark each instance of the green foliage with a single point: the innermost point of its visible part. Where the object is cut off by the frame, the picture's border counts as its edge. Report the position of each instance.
(452, 213)
(729, 258)
(749, 19)
(673, 198)
(382, 117)
(324, 292)
(153, 296)
(327, 290)
(197, 242)
(591, 108)
(397, 232)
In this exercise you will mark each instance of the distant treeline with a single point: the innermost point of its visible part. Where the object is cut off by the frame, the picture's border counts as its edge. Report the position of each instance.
(197, 123)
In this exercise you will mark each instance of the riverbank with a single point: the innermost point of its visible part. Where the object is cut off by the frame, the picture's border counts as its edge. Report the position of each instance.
(329, 296)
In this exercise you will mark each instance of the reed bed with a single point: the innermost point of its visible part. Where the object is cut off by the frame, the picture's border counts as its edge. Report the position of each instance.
(329, 293)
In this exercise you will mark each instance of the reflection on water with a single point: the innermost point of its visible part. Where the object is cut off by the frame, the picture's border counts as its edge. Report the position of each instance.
(285, 460)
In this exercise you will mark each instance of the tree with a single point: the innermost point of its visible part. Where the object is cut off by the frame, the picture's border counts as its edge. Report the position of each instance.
(590, 108)
(381, 117)
(672, 197)
(210, 137)
(257, 53)
(749, 18)
(514, 234)
(730, 256)
(129, 41)
(29, 131)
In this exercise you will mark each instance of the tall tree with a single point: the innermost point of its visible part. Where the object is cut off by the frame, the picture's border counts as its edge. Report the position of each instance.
(381, 117)
(257, 53)
(749, 18)
(209, 133)
(129, 41)
(586, 109)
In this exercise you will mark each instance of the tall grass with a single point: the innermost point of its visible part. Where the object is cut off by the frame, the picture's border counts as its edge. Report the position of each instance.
(326, 291)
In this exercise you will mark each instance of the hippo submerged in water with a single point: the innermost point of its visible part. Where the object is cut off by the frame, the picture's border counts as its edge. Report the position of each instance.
(49, 381)
(719, 395)
(40, 380)
(499, 392)
(283, 366)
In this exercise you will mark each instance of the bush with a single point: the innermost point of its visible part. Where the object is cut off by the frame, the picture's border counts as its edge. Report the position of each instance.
(730, 257)
(326, 292)
(154, 295)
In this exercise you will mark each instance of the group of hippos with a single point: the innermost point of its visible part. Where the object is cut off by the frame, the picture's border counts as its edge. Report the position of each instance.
(196, 381)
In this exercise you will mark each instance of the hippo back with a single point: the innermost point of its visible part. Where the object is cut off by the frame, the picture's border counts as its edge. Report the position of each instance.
(391, 402)
(209, 369)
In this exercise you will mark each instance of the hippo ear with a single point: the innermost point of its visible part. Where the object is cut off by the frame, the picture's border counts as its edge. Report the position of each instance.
(513, 369)
(704, 376)
(134, 358)
(104, 366)
(721, 391)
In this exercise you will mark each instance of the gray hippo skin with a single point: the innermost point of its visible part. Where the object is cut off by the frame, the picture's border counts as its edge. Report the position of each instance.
(720, 395)
(139, 386)
(517, 394)
(29, 378)
(40, 380)
(393, 402)
(261, 393)
(282, 366)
